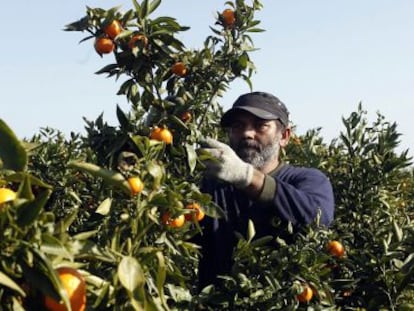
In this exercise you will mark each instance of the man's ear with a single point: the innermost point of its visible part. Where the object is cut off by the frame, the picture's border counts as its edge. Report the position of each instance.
(284, 140)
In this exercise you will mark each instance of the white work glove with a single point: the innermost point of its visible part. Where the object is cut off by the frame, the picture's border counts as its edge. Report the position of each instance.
(226, 166)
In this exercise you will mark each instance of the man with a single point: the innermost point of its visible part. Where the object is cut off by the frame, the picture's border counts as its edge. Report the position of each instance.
(249, 181)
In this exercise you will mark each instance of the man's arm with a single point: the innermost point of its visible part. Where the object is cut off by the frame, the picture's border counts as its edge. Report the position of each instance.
(255, 188)
(299, 195)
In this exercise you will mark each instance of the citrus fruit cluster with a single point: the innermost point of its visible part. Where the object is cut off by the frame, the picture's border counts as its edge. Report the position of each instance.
(337, 250)
(195, 214)
(107, 40)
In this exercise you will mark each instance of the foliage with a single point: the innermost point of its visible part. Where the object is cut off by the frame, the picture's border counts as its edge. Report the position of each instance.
(74, 206)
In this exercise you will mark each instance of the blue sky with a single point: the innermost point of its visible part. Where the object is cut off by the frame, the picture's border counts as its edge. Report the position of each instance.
(321, 57)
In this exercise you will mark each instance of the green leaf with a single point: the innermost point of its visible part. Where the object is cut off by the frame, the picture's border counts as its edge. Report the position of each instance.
(28, 211)
(86, 38)
(251, 231)
(52, 245)
(79, 25)
(107, 68)
(137, 6)
(6, 281)
(105, 207)
(20, 177)
(255, 30)
(122, 119)
(167, 23)
(12, 152)
(130, 274)
(178, 122)
(191, 157)
(161, 275)
(156, 171)
(397, 231)
(248, 81)
(144, 9)
(109, 176)
(66, 222)
(153, 6)
(262, 241)
(25, 189)
(126, 87)
(160, 200)
(85, 235)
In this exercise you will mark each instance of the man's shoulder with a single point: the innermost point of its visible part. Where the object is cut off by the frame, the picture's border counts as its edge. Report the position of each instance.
(289, 170)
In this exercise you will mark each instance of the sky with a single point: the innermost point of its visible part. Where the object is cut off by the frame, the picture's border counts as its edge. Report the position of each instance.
(320, 57)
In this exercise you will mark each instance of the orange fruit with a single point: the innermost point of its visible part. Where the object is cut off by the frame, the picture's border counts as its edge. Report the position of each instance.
(173, 222)
(347, 293)
(104, 45)
(138, 37)
(186, 116)
(198, 214)
(74, 284)
(7, 195)
(136, 184)
(179, 69)
(306, 295)
(228, 17)
(335, 248)
(161, 134)
(113, 29)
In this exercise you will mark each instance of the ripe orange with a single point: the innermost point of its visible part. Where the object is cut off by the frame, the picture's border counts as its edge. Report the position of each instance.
(347, 293)
(75, 287)
(335, 248)
(7, 195)
(162, 134)
(113, 29)
(228, 17)
(306, 295)
(173, 222)
(198, 214)
(104, 45)
(186, 116)
(179, 69)
(136, 184)
(138, 37)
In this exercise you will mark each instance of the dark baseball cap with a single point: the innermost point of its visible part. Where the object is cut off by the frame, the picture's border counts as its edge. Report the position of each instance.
(262, 105)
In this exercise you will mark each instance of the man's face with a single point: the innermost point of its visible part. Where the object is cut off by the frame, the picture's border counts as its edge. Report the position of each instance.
(256, 141)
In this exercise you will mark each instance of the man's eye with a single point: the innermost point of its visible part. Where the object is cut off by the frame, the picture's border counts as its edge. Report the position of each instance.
(261, 126)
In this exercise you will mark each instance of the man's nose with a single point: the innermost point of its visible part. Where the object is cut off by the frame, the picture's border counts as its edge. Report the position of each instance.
(249, 130)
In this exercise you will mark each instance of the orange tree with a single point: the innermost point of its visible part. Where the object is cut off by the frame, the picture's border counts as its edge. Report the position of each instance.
(373, 211)
(72, 204)
(113, 204)
(173, 92)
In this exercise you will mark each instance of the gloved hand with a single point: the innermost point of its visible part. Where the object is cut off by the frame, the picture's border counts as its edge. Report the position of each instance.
(226, 166)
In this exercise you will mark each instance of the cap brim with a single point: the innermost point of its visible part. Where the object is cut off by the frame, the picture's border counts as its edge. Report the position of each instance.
(227, 118)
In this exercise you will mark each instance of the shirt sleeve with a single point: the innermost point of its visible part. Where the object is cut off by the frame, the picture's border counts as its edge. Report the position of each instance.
(299, 197)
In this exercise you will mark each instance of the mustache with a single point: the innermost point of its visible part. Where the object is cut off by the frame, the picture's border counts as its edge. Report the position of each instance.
(249, 144)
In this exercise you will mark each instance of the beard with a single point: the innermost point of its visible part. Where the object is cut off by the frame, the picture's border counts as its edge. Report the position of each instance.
(255, 153)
